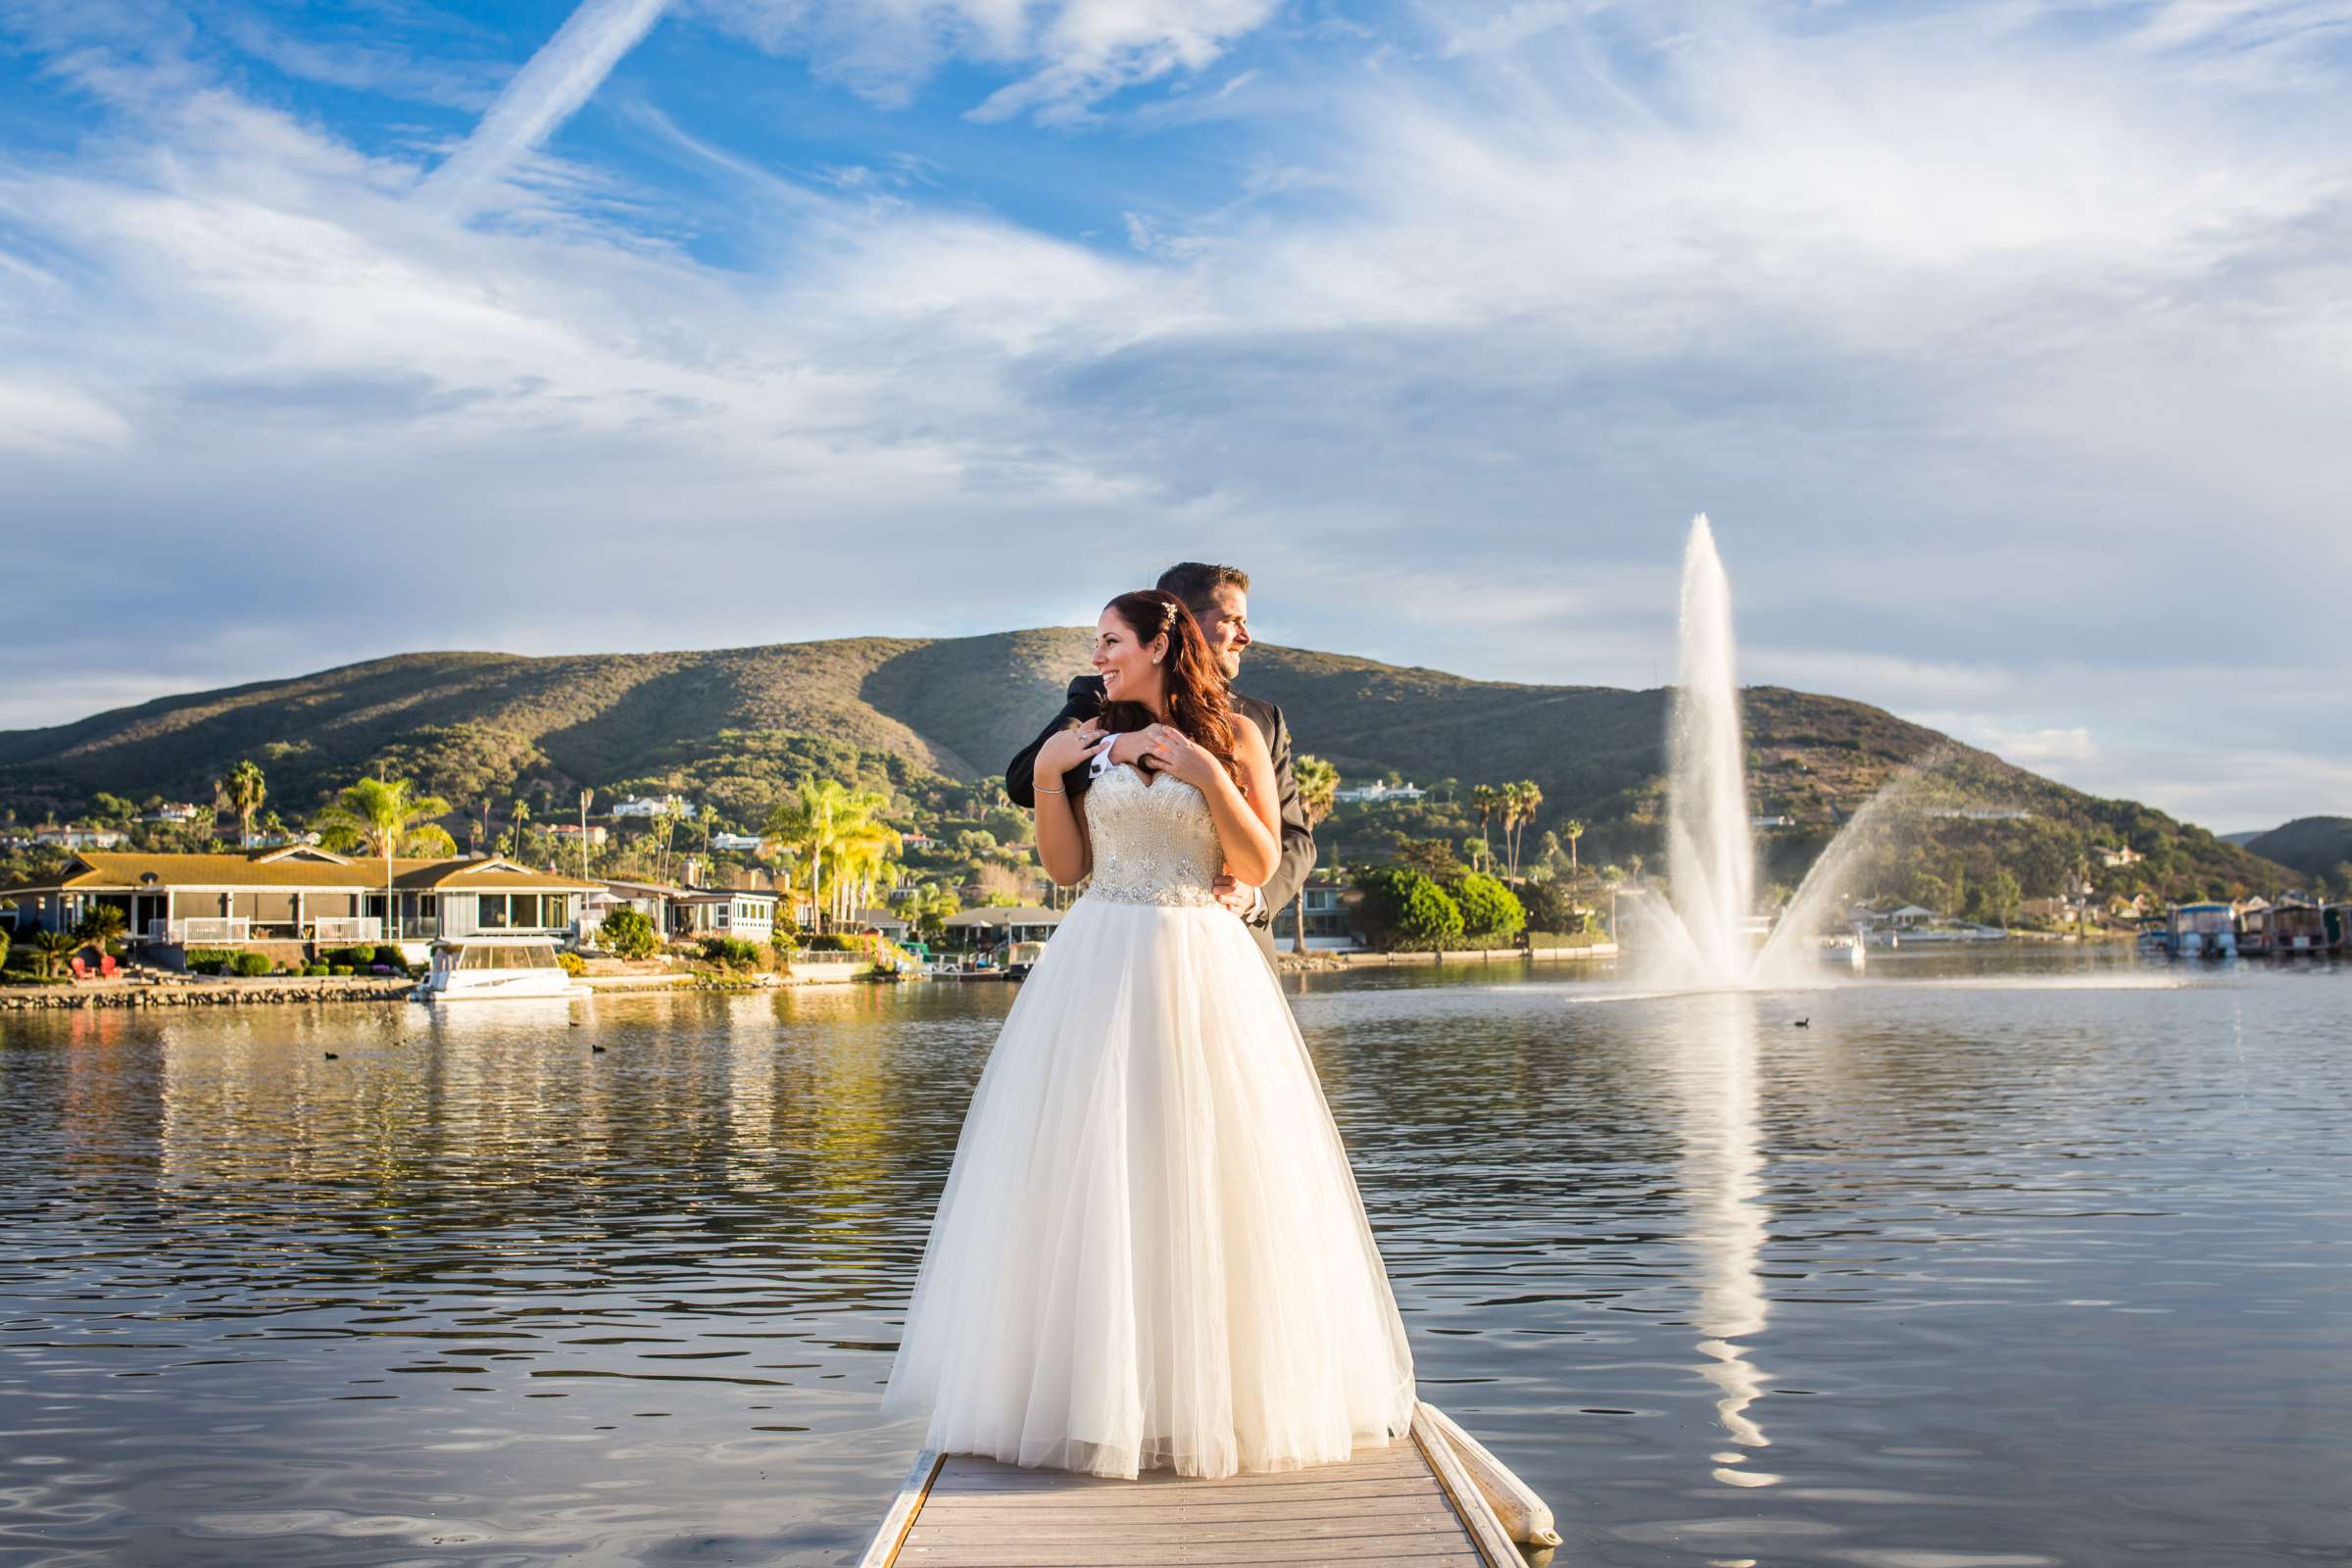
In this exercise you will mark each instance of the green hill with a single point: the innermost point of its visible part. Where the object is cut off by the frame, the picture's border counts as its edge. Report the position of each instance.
(2315, 846)
(733, 725)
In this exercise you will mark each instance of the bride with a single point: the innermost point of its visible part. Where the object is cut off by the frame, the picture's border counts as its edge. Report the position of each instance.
(1151, 1250)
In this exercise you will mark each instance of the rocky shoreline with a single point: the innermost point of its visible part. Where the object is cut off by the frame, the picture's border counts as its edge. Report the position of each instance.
(55, 998)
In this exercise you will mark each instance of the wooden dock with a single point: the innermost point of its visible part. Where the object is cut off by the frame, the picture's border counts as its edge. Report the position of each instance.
(1430, 1501)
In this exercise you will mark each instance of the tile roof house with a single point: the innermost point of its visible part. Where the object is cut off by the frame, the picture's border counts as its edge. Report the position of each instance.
(996, 923)
(299, 893)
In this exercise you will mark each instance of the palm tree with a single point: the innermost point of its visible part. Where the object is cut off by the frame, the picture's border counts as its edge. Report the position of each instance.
(664, 828)
(522, 816)
(387, 817)
(1318, 790)
(863, 867)
(585, 796)
(102, 925)
(54, 947)
(1526, 795)
(1572, 830)
(1488, 800)
(245, 789)
(825, 820)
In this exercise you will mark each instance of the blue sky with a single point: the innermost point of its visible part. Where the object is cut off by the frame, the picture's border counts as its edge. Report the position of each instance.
(2008, 345)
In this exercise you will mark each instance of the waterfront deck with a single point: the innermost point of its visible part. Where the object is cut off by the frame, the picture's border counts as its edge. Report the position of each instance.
(1423, 1502)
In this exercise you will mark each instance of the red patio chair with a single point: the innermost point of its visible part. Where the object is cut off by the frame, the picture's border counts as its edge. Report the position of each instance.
(105, 966)
(81, 970)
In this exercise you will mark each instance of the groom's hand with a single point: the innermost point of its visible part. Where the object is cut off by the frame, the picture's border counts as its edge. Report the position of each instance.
(1136, 747)
(1240, 897)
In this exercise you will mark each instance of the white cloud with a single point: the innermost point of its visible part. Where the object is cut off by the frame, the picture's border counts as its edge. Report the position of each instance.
(2008, 364)
(550, 87)
(40, 416)
(1074, 53)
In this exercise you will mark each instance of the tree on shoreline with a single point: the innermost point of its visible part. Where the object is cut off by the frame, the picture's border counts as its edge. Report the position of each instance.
(1318, 790)
(1521, 800)
(385, 817)
(54, 947)
(837, 830)
(1488, 800)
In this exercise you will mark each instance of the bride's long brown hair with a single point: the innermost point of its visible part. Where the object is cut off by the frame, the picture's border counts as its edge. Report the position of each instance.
(1196, 703)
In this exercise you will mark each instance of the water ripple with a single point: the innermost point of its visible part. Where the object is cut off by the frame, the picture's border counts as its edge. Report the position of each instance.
(1987, 1266)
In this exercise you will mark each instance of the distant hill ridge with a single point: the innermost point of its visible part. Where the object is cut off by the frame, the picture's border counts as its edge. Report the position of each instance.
(2315, 846)
(476, 725)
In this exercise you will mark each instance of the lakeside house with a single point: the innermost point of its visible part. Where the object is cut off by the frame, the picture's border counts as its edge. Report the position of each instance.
(736, 843)
(1326, 898)
(999, 926)
(887, 924)
(298, 893)
(685, 913)
(168, 814)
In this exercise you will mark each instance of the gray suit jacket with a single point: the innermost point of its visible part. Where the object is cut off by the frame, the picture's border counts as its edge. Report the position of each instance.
(1085, 699)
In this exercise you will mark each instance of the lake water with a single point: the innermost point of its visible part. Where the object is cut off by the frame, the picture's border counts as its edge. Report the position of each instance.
(1997, 1263)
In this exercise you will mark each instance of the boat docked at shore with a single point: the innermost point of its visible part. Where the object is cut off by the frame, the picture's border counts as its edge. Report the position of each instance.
(493, 967)
(2202, 931)
(2298, 930)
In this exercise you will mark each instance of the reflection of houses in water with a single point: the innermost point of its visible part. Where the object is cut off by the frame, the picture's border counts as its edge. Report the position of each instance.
(1723, 1165)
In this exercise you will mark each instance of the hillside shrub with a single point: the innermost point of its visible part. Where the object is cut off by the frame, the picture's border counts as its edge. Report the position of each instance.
(629, 934)
(252, 966)
(1403, 908)
(730, 952)
(1490, 912)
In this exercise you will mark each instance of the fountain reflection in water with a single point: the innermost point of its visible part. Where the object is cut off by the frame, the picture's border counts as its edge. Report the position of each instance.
(1723, 1174)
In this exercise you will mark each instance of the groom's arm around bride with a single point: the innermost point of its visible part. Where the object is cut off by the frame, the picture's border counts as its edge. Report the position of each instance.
(1218, 598)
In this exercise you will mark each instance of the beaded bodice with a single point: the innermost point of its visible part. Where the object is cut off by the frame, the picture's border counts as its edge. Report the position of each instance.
(1153, 842)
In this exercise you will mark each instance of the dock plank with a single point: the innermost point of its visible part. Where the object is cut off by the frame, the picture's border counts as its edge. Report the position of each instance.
(1409, 1503)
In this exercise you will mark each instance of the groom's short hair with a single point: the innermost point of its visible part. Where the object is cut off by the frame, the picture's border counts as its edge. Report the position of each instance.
(1196, 582)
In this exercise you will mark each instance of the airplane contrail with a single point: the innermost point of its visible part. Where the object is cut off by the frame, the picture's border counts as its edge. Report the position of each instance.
(550, 87)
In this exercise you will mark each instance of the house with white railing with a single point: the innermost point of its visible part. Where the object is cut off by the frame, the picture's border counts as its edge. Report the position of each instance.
(299, 893)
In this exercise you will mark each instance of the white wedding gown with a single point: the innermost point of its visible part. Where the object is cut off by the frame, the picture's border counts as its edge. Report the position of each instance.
(1151, 1250)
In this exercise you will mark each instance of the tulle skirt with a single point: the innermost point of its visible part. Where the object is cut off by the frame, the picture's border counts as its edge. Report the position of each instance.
(1151, 1250)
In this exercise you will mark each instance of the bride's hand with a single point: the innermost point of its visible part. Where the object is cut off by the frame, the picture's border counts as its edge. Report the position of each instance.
(1066, 751)
(1174, 752)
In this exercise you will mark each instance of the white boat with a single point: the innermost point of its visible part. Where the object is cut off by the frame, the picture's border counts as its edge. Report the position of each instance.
(464, 968)
(1845, 949)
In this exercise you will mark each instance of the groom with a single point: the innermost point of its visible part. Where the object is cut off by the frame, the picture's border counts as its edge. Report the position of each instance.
(1219, 600)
